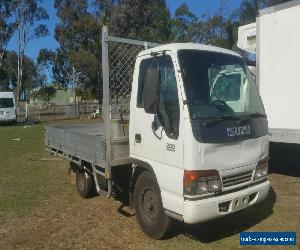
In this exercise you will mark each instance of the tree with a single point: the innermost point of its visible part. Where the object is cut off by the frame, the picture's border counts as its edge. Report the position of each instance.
(270, 3)
(79, 36)
(137, 19)
(8, 74)
(27, 13)
(186, 27)
(218, 29)
(248, 10)
(44, 93)
(7, 27)
(161, 28)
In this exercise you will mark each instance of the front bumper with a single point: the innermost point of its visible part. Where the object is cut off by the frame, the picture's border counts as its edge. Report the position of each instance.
(207, 209)
(7, 120)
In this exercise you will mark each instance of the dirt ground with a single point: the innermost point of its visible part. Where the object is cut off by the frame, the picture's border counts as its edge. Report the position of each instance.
(40, 209)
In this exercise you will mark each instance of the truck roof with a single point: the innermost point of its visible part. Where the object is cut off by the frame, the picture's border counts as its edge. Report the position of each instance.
(7, 94)
(279, 7)
(174, 47)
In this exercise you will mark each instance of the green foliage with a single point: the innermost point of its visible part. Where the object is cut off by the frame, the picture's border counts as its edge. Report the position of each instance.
(76, 62)
(8, 73)
(37, 179)
(27, 15)
(137, 19)
(79, 36)
(186, 27)
(7, 26)
(248, 10)
(44, 93)
(8, 77)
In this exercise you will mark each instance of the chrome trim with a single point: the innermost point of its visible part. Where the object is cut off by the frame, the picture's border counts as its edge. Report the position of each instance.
(232, 180)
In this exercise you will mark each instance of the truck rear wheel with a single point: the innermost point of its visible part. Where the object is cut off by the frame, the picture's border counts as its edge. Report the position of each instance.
(148, 207)
(85, 184)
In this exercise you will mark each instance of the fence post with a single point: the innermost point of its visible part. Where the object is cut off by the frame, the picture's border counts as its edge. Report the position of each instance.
(26, 111)
(77, 109)
(17, 113)
(40, 113)
(106, 106)
(53, 112)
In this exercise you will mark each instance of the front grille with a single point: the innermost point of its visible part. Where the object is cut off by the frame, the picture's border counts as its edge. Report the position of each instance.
(233, 180)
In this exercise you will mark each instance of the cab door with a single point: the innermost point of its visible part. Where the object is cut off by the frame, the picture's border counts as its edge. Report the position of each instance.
(158, 138)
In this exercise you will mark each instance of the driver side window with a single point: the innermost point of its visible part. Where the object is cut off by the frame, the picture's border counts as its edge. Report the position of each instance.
(169, 112)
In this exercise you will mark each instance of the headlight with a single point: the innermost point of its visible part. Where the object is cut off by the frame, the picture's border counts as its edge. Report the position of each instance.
(261, 170)
(201, 182)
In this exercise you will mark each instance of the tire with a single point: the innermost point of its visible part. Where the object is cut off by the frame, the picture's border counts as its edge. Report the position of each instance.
(85, 184)
(148, 207)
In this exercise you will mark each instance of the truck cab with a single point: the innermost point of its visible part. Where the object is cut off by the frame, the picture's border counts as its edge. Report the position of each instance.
(198, 125)
(7, 107)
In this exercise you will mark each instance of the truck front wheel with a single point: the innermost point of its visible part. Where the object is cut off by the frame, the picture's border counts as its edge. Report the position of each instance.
(148, 207)
(85, 184)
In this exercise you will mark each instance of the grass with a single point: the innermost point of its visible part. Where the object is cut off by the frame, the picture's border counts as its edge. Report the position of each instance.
(40, 209)
(28, 174)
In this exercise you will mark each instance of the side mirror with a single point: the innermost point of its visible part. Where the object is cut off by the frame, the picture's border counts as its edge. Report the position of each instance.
(154, 125)
(151, 89)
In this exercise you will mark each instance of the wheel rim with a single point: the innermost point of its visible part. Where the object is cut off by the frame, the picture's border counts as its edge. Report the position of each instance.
(150, 207)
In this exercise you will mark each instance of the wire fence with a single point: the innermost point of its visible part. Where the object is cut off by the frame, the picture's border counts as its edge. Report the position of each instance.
(50, 112)
(121, 66)
(121, 56)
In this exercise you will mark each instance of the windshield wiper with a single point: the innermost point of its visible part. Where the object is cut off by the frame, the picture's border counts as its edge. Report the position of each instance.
(214, 121)
(253, 115)
(257, 115)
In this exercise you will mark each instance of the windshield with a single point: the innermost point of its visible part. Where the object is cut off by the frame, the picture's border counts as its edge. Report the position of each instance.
(6, 103)
(218, 84)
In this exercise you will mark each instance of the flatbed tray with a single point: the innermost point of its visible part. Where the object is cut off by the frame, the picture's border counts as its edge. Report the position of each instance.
(85, 142)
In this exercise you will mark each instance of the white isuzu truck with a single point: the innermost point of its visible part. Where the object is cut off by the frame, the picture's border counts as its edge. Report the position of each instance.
(197, 144)
(275, 39)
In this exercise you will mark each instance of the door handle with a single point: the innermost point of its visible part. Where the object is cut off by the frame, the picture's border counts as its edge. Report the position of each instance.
(138, 138)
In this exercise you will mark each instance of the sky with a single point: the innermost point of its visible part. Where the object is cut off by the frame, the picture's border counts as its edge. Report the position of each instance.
(198, 7)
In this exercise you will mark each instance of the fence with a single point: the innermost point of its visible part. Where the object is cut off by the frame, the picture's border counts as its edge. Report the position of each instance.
(40, 112)
(118, 60)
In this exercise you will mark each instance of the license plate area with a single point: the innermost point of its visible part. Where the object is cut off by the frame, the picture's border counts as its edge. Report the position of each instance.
(240, 203)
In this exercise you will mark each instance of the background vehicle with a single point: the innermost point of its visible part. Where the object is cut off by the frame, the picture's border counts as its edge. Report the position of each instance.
(229, 86)
(275, 38)
(7, 107)
(186, 155)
